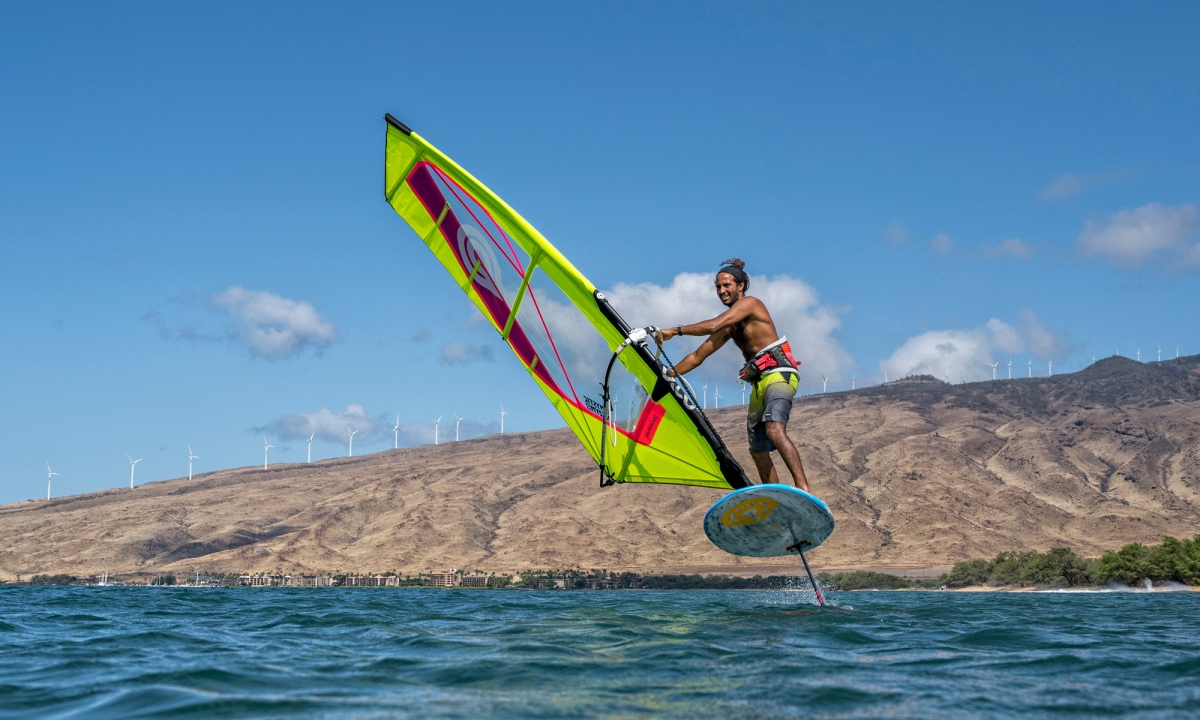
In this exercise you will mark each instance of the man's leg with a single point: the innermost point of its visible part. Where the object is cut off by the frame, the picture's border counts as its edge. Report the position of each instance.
(760, 446)
(777, 432)
(766, 468)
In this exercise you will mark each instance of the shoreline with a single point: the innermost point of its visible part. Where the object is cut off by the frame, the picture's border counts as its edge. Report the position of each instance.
(1080, 589)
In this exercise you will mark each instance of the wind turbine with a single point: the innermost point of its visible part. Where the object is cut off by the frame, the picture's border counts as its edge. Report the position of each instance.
(266, 447)
(852, 379)
(994, 369)
(132, 463)
(352, 433)
(705, 405)
(457, 420)
(824, 384)
(1010, 368)
(1160, 353)
(1139, 354)
(885, 377)
(1176, 351)
(1049, 368)
(743, 391)
(1030, 367)
(396, 434)
(49, 474)
(191, 457)
(502, 414)
(717, 395)
(310, 437)
(436, 423)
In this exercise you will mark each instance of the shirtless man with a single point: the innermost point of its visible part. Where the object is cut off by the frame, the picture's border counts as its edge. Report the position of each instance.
(770, 369)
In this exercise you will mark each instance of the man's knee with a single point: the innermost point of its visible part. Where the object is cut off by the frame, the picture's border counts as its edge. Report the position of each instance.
(776, 431)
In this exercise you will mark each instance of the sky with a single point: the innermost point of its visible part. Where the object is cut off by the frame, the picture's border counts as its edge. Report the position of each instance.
(197, 252)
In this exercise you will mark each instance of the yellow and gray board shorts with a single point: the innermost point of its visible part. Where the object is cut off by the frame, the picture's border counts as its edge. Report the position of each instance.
(770, 400)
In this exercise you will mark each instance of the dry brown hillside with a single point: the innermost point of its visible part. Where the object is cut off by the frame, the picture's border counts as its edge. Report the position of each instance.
(918, 474)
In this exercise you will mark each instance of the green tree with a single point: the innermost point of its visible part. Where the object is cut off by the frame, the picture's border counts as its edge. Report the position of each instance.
(52, 579)
(1187, 565)
(1059, 567)
(1128, 565)
(968, 573)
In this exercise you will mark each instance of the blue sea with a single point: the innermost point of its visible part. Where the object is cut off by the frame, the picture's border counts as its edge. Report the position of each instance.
(101, 652)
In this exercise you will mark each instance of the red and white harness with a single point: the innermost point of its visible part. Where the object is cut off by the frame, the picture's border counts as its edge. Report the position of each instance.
(774, 358)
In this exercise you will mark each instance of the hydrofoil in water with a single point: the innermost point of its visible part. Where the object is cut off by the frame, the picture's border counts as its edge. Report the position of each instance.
(770, 521)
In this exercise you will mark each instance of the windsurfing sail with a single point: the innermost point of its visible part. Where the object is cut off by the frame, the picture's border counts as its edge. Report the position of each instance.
(559, 326)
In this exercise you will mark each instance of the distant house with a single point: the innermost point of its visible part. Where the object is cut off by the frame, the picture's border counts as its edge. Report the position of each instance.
(304, 581)
(259, 580)
(475, 581)
(443, 579)
(371, 581)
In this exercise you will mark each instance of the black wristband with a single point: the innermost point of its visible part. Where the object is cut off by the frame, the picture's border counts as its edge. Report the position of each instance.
(679, 330)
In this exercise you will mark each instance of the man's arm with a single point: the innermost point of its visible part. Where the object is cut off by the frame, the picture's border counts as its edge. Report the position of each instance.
(741, 310)
(710, 345)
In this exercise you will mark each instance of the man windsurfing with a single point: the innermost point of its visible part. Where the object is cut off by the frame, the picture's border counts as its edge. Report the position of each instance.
(770, 369)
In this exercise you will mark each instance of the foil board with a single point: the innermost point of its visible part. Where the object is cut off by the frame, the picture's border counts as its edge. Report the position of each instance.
(768, 521)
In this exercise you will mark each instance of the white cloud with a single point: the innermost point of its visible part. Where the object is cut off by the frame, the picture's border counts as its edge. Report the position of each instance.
(1009, 248)
(458, 354)
(690, 298)
(272, 326)
(896, 234)
(967, 355)
(326, 425)
(1152, 232)
(1072, 184)
(421, 433)
(941, 243)
(335, 426)
(1191, 260)
(1068, 185)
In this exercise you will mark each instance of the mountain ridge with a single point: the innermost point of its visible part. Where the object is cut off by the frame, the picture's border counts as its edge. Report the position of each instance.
(918, 474)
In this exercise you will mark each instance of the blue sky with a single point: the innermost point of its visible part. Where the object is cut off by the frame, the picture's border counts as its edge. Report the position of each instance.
(197, 250)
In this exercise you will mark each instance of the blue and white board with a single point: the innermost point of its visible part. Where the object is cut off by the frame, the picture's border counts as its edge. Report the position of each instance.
(768, 521)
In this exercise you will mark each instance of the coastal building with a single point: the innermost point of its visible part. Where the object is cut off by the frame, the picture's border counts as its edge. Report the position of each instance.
(475, 581)
(371, 581)
(258, 580)
(305, 581)
(444, 579)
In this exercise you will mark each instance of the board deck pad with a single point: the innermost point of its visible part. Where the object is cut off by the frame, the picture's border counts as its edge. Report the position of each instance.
(767, 520)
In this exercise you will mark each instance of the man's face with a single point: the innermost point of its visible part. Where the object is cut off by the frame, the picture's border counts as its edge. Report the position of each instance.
(728, 289)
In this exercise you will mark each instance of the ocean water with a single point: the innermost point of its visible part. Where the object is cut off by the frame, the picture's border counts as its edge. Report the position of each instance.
(384, 652)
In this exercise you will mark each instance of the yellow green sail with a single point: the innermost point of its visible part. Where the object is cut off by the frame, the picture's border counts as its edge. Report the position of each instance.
(561, 329)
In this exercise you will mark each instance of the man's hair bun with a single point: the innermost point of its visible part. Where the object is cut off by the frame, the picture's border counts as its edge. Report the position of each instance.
(737, 263)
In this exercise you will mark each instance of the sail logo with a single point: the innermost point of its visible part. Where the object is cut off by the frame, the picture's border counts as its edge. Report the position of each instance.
(478, 260)
(749, 512)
